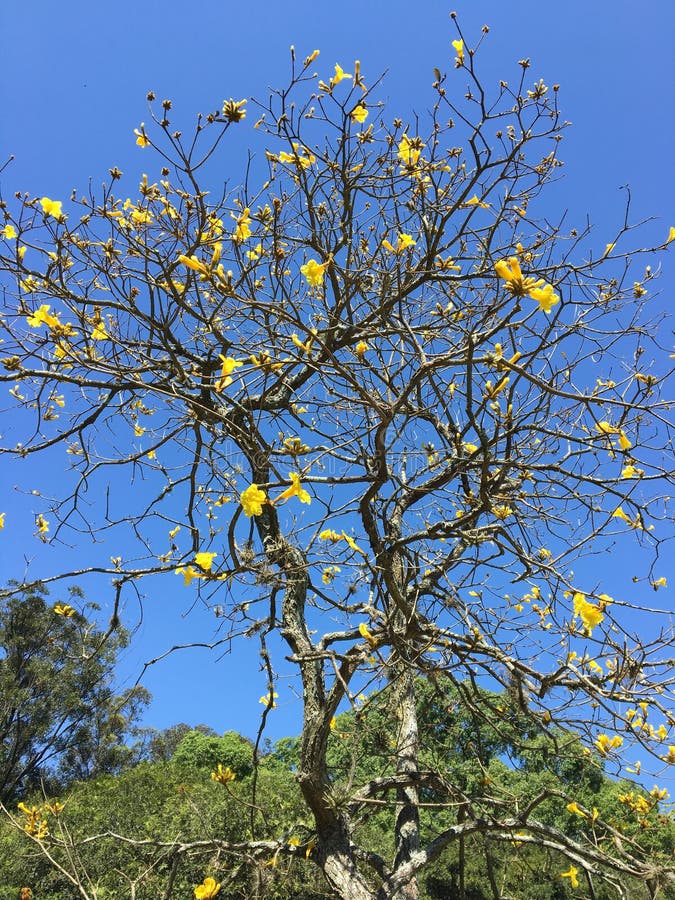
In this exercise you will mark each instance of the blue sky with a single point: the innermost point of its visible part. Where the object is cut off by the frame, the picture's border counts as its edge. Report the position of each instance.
(73, 88)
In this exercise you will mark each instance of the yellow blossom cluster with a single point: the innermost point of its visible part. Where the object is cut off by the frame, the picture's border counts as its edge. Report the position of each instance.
(590, 614)
(242, 231)
(572, 874)
(34, 823)
(409, 152)
(605, 428)
(634, 523)
(314, 272)
(300, 157)
(208, 889)
(223, 775)
(233, 110)
(64, 609)
(404, 241)
(521, 286)
(606, 744)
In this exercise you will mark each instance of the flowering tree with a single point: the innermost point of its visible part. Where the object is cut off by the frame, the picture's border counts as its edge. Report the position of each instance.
(378, 407)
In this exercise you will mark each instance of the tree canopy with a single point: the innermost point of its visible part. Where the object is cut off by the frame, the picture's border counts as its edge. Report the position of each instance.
(375, 405)
(60, 717)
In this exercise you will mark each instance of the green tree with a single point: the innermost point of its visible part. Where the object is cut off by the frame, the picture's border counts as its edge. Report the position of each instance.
(60, 717)
(197, 750)
(429, 400)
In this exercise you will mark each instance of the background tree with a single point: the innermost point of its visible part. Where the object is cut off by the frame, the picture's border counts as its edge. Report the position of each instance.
(60, 718)
(427, 401)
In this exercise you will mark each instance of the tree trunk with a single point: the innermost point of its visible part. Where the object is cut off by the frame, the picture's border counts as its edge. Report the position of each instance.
(407, 829)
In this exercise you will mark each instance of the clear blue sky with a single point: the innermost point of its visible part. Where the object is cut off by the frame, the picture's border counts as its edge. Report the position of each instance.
(73, 86)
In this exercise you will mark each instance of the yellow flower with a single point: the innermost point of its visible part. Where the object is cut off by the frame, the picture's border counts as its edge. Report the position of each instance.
(476, 201)
(458, 46)
(99, 333)
(34, 823)
(192, 262)
(670, 758)
(361, 349)
(2, 520)
(63, 609)
(314, 272)
(404, 241)
(340, 75)
(329, 535)
(229, 364)
(671, 235)
(223, 775)
(307, 345)
(256, 253)
(51, 207)
(310, 59)
(41, 524)
(205, 560)
(363, 631)
(267, 701)
(502, 512)
(624, 443)
(329, 573)
(295, 490)
(634, 523)
(606, 744)
(42, 316)
(574, 808)
(510, 271)
(243, 230)
(141, 138)
(8, 232)
(265, 362)
(207, 889)
(189, 573)
(589, 614)
(139, 430)
(252, 500)
(359, 114)
(298, 156)
(233, 110)
(409, 151)
(630, 471)
(660, 582)
(545, 297)
(571, 873)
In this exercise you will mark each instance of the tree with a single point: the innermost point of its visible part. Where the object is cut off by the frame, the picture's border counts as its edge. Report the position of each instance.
(427, 402)
(60, 718)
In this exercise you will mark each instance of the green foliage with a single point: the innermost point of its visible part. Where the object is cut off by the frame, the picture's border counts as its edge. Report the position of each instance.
(199, 751)
(163, 803)
(60, 718)
(511, 759)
